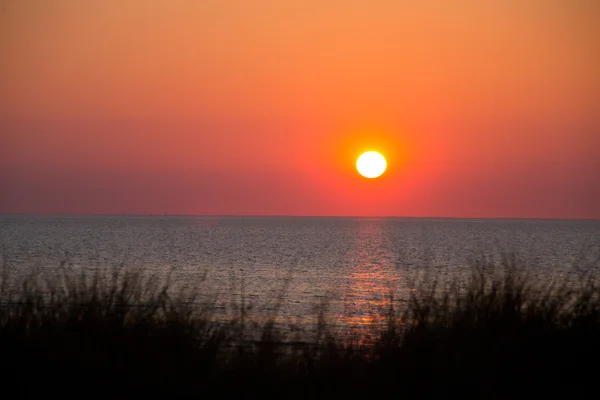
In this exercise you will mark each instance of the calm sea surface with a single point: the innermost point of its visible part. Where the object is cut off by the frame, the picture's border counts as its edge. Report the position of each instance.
(293, 265)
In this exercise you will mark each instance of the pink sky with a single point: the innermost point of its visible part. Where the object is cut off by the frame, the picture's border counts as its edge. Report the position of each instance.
(483, 108)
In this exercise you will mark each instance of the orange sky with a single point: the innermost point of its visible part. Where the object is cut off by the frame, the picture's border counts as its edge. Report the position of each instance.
(483, 108)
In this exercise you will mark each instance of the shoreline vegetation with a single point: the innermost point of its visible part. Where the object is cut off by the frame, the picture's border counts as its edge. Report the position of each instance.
(499, 333)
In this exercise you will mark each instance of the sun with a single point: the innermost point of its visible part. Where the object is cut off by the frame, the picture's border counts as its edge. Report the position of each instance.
(371, 164)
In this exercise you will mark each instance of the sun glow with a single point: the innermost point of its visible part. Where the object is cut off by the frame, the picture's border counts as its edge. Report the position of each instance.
(371, 164)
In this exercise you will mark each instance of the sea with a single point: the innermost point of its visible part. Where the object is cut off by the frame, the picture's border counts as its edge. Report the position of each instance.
(292, 270)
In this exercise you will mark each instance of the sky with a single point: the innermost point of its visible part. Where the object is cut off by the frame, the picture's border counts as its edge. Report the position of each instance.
(483, 109)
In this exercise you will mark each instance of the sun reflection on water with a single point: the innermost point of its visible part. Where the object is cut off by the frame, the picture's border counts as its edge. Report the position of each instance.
(370, 284)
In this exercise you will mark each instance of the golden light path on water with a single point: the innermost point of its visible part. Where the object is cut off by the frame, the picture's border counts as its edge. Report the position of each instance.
(371, 286)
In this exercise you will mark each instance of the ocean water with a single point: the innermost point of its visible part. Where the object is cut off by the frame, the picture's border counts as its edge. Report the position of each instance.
(294, 266)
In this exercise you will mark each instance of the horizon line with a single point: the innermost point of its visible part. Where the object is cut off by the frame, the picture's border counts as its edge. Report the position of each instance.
(288, 216)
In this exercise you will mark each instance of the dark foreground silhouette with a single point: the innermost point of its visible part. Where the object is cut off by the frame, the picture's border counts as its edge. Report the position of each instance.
(125, 337)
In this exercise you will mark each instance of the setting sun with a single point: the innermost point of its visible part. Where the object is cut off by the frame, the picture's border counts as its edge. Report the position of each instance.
(371, 164)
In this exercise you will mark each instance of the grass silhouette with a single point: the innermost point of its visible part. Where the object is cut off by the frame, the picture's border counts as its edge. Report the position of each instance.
(126, 335)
